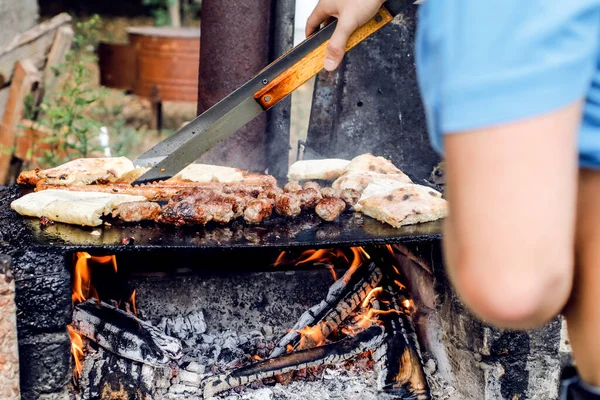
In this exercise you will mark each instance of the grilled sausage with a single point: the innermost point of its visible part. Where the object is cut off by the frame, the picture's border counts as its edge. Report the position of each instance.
(350, 196)
(330, 208)
(287, 204)
(312, 185)
(258, 210)
(136, 211)
(330, 192)
(309, 198)
(292, 187)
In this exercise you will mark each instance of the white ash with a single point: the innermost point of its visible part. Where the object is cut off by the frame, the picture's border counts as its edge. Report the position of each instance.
(439, 388)
(336, 383)
(184, 327)
(206, 355)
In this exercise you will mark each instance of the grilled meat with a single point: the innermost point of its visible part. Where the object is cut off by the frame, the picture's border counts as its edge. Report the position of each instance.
(330, 192)
(188, 211)
(258, 210)
(184, 212)
(312, 185)
(350, 196)
(309, 198)
(287, 204)
(219, 211)
(270, 193)
(330, 208)
(238, 201)
(292, 187)
(242, 188)
(29, 178)
(259, 180)
(137, 211)
(152, 193)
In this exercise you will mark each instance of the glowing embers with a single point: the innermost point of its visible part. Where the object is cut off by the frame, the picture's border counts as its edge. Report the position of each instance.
(366, 311)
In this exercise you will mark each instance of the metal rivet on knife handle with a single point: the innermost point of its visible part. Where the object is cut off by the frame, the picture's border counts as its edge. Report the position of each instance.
(312, 63)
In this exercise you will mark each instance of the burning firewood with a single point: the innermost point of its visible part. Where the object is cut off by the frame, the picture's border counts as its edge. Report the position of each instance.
(344, 296)
(124, 334)
(333, 353)
(398, 360)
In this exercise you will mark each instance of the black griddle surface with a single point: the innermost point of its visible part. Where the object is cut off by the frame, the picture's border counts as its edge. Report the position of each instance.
(307, 230)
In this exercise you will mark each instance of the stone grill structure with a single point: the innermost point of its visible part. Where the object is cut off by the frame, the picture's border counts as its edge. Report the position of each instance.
(463, 358)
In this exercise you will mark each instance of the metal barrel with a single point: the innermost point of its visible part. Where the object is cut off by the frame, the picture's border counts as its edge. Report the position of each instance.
(168, 60)
(117, 65)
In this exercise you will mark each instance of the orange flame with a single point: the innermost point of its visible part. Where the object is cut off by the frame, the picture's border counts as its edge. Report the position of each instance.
(76, 350)
(358, 253)
(82, 276)
(326, 256)
(280, 259)
(390, 248)
(332, 270)
(312, 336)
(256, 357)
(132, 302)
(372, 293)
(364, 253)
(400, 284)
(371, 317)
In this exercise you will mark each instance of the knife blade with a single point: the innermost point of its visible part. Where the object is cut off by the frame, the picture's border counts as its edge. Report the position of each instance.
(259, 94)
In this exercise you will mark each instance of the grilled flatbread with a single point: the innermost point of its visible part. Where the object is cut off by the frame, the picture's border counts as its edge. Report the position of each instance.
(132, 175)
(359, 180)
(211, 173)
(379, 186)
(85, 171)
(370, 163)
(77, 208)
(407, 205)
(326, 170)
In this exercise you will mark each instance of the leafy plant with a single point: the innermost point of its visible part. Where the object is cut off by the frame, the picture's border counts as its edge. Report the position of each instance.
(86, 37)
(63, 111)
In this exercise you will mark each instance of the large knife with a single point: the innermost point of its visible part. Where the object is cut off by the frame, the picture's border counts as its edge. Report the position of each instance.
(256, 96)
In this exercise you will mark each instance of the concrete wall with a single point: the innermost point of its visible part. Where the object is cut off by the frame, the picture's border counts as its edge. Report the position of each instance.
(16, 16)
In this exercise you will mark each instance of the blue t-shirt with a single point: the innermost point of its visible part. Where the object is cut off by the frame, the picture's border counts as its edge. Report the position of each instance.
(486, 62)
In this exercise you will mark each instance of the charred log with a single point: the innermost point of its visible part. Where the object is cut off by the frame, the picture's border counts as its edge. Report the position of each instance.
(344, 296)
(398, 359)
(333, 353)
(108, 376)
(124, 334)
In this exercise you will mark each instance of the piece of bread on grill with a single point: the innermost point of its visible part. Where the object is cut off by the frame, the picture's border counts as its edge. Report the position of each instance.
(326, 170)
(379, 186)
(411, 204)
(77, 208)
(369, 163)
(211, 173)
(132, 175)
(359, 180)
(82, 171)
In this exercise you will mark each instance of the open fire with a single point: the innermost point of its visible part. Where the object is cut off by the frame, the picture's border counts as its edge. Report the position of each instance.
(365, 315)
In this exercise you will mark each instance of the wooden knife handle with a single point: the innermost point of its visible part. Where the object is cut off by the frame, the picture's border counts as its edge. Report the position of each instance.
(312, 63)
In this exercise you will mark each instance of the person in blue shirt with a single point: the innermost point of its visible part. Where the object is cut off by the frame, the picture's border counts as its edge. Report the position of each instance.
(511, 90)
